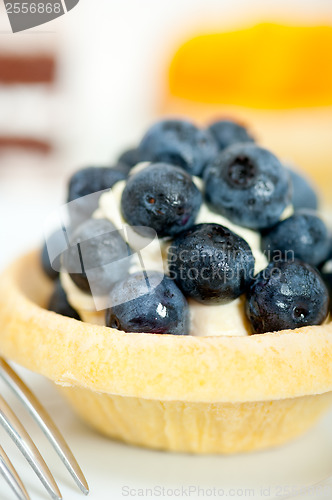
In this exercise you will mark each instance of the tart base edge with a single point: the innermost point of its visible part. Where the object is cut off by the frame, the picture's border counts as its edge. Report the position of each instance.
(201, 428)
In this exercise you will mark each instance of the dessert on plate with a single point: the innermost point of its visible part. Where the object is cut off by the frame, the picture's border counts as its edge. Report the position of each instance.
(184, 305)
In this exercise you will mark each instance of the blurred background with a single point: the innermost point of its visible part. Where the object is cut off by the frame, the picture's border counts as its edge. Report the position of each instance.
(79, 90)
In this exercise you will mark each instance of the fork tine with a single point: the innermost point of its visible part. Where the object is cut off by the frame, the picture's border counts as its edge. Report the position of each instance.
(25, 444)
(45, 422)
(10, 475)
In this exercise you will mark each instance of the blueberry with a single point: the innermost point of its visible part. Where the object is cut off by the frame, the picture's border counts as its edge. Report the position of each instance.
(303, 236)
(129, 158)
(304, 195)
(87, 181)
(151, 304)
(95, 245)
(162, 197)
(92, 179)
(287, 295)
(248, 185)
(227, 132)
(51, 269)
(179, 143)
(211, 264)
(59, 304)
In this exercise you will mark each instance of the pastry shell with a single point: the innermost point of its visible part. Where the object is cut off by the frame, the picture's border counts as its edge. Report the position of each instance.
(178, 393)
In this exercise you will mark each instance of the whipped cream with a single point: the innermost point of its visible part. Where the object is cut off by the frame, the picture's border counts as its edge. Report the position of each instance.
(212, 320)
(217, 320)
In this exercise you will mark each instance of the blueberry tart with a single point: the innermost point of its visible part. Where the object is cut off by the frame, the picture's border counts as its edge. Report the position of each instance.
(186, 311)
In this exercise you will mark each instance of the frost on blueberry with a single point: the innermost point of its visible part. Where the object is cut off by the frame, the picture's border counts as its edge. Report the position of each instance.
(97, 256)
(162, 197)
(248, 185)
(84, 182)
(228, 132)
(179, 143)
(287, 295)
(150, 304)
(302, 236)
(211, 264)
(303, 193)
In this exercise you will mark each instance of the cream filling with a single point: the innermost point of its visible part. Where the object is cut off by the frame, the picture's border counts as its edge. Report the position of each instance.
(213, 320)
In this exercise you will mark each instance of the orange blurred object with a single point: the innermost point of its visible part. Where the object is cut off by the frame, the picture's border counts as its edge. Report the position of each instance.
(275, 78)
(266, 66)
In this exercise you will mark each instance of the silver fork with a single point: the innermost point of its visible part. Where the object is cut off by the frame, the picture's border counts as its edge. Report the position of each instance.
(25, 444)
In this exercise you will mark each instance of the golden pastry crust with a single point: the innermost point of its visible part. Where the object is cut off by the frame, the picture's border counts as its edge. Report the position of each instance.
(270, 367)
(198, 427)
(188, 394)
